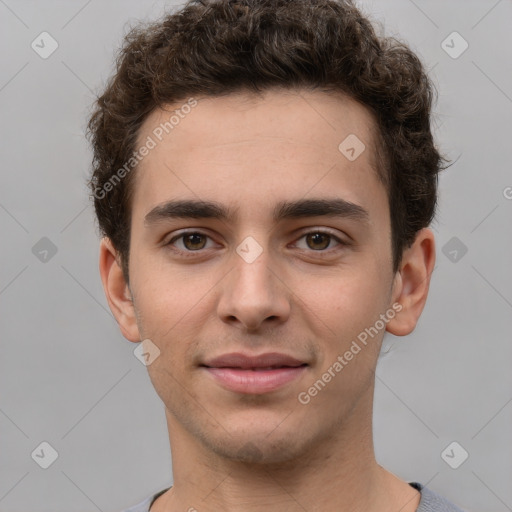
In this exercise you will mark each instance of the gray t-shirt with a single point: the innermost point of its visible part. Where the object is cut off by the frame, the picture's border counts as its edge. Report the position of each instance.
(429, 502)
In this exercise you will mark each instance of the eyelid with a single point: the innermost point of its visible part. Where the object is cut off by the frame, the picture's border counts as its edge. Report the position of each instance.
(323, 231)
(181, 234)
(306, 231)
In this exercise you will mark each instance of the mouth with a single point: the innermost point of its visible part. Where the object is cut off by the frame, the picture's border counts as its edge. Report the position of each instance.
(245, 374)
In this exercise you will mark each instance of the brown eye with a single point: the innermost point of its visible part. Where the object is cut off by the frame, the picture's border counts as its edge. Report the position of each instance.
(318, 241)
(194, 241)
(191, 244)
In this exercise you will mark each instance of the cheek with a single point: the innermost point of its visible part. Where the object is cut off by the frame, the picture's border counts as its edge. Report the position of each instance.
(168, 314)
(347, 293)
(172, 320)
(342, 318)
(172, 308)
(163, 294)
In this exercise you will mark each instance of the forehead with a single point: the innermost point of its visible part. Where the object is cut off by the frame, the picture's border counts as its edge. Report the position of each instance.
(279, 143)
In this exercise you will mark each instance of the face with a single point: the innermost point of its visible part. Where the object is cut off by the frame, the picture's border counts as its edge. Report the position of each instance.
(288, 253)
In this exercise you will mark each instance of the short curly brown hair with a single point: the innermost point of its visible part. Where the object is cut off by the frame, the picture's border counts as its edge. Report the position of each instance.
(217, 47)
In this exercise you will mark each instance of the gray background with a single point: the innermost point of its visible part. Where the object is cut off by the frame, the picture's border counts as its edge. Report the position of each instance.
(69, 378)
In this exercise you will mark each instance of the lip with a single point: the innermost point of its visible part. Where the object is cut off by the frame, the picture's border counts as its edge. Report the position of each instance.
(264, 373)
(244, 361)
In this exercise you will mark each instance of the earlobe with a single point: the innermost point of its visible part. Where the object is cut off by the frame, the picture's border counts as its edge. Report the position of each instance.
(412, 283)
(117, 291)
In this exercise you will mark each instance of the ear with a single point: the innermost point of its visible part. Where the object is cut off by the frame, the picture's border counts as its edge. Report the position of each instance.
(117, 291)
(412, 281)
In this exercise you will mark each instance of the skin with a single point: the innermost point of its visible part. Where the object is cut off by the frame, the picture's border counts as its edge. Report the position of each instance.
(307, 298)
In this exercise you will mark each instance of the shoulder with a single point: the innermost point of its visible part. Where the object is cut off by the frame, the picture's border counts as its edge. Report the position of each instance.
(144, 505)
(429, 502)
(433, 502)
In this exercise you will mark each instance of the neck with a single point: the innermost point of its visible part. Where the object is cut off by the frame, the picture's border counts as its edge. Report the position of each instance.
(338, 472)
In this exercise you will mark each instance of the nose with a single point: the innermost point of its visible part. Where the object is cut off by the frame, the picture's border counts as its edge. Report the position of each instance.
(253, 294)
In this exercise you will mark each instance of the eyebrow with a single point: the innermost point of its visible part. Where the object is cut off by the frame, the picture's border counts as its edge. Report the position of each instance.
(195, 209)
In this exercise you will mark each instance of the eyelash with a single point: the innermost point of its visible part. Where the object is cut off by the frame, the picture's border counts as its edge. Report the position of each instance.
(190, 253)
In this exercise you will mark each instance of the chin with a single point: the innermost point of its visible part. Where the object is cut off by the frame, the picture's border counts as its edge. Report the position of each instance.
(262, 439)
(258, 451)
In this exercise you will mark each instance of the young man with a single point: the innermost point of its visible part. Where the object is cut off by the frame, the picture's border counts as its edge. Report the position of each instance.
(264, 176)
